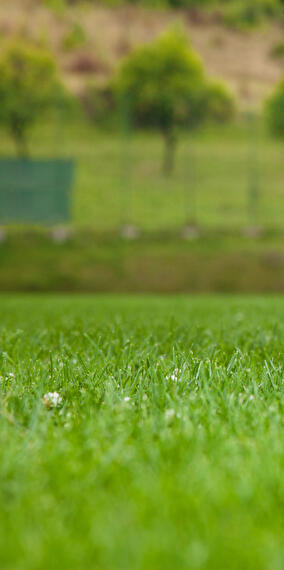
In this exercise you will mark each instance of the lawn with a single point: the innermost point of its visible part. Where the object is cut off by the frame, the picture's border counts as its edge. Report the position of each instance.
(119, 181)
(166, 449)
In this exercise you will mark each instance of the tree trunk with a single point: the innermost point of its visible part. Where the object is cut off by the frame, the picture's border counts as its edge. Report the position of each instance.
(20, 140)
(169, 153)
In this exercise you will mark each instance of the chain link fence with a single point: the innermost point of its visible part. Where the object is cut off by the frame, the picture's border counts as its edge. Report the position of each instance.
(224, 177)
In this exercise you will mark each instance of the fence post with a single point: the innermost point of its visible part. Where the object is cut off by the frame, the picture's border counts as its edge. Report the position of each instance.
(124, 185)
(253, 171)
(190, 230)
(190, 186)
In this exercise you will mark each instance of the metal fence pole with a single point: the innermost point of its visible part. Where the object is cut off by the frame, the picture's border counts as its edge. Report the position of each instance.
(253, 171)
(124, 185)
(191, 211)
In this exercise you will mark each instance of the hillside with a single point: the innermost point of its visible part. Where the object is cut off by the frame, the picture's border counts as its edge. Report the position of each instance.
(89, 41)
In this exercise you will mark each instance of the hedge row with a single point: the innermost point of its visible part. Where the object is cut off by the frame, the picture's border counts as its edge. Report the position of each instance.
(242, 13)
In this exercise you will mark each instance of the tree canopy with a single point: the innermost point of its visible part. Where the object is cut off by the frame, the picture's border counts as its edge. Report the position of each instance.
(28, 83)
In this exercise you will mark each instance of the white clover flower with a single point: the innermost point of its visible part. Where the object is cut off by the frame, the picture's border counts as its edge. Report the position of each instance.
(127, 399)
(251, 397)
(169, 415)
(52, 399)
(175, 375)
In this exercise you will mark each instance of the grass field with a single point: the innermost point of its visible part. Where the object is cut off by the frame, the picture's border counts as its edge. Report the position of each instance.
(166, 450)
(120, 182)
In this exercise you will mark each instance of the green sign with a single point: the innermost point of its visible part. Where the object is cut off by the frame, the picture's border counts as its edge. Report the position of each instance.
(36, 191)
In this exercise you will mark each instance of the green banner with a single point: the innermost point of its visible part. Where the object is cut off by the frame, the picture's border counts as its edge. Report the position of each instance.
(35, 191)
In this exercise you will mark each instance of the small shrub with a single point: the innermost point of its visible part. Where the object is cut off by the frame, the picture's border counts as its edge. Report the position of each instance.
(58, 6)
(277, 52)
(74, 38)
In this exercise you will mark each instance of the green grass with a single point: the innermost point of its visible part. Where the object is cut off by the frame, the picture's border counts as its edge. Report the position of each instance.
(120, 182)
(185, 473)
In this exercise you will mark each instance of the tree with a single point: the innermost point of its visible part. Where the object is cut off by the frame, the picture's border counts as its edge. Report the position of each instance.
(28, 86)
(166, 86)
(275, 110)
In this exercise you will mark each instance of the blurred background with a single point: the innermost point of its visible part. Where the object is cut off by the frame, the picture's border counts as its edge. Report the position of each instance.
(142, 145)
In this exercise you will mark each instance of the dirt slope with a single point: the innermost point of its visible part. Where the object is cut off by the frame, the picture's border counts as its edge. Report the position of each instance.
(242, 59)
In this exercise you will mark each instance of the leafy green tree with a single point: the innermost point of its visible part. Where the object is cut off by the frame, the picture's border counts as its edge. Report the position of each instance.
(28, 86)
(275, 110)
(167, 89)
